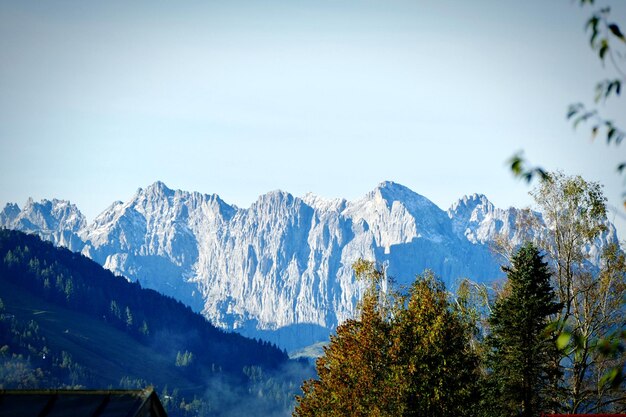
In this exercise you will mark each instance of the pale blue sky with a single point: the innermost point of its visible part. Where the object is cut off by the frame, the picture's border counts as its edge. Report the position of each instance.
(242, 97)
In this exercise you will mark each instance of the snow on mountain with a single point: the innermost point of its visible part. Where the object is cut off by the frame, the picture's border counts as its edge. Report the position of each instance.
(280, 269)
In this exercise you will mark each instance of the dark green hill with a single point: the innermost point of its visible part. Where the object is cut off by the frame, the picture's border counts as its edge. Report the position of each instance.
(67, 322)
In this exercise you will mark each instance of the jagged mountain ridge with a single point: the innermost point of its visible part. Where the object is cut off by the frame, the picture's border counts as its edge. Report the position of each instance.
(282, 267)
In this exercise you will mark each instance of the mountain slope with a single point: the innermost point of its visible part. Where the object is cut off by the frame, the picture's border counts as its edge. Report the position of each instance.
(65, 321)
(281, 269)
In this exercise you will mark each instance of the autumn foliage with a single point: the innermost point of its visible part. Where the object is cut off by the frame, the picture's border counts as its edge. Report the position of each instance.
(405, 355)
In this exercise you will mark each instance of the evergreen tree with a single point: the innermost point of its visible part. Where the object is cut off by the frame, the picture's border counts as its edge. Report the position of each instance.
(115, 310)
(521, 353)
(129, 317)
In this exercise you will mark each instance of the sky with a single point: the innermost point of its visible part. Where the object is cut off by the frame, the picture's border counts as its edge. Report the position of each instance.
(239, 98)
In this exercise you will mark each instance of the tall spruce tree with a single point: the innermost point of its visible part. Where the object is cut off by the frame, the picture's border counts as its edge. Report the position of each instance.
(521, 352)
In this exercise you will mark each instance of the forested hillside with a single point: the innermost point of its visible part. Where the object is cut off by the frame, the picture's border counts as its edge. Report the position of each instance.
(67, 322)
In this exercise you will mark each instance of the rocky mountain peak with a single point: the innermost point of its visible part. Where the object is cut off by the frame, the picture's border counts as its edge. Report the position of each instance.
(283, 264)
(416, 204)
(275, 206)
(472, 208)
(156, 191)
(390, 190)
(159, 188)
(469, 203)
(46, 215)
(322, 204)
(9, 214)
(275, 197)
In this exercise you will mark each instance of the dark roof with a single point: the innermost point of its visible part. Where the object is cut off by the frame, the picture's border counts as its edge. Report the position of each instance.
(80, 403)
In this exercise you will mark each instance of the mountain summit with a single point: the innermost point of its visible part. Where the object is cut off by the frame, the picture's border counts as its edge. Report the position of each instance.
(280, 269)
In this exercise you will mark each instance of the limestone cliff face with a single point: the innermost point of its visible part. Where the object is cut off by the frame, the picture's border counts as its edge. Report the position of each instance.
(57, 221)
(280, 269)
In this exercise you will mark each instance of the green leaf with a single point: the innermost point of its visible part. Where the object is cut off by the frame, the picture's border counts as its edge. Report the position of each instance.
(608, 89)
(579, 341)
(573, 110)
(542, 173)
(615, 31)
(517, 164)
(592, 22)
(583, 118)
(610, 134)
(563, 340)
(605, 88)
(613, 378)
(600, 90)
(528, 176)
(604, 48)
(592, 39)
(605, 347)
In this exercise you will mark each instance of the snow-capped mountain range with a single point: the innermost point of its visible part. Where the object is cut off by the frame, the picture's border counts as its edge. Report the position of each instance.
(280, 269)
